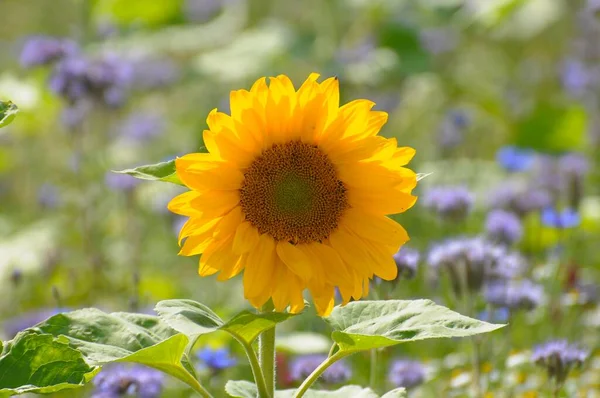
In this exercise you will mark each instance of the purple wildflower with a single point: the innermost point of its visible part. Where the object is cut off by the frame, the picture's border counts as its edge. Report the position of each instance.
(503, 227)
(574, 164)
(142, 126)
(558, 357)
(154, 73)
(48, 196)
(520, 201)
(43, 50)
(480, 259)
(216, 359)
(119, 381)
(406, 373)
(514, 294)
(452, 131)
(407, 260)
(576, 77)
(120, 182)
(451, 203)
(302, 366)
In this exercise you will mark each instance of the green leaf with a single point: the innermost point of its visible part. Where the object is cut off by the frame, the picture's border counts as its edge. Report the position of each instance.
(164, 171)
(396, 393)
(246, 389)
(364, 325)
(34, 363)
(8, 111)
(194, 319)
(122, 337)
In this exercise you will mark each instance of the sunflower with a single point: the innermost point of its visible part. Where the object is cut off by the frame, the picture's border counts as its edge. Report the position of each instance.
(294, 191)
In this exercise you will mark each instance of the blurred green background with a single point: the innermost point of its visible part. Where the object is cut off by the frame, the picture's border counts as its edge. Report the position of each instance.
(461, 80)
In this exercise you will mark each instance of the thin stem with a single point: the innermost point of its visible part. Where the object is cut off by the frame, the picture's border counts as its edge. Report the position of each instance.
(310, 380)
(373, 371)
(331, 350)
(266, 348)
(259, 377)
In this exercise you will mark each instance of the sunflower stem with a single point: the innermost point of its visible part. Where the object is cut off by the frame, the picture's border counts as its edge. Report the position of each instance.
(310, 380)
(373, 371)
(266, 348)
(259, 377)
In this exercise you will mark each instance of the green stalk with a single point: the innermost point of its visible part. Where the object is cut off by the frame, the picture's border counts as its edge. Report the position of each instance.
(266, 348)
(373, 372)
(310, 380)
(259, 377)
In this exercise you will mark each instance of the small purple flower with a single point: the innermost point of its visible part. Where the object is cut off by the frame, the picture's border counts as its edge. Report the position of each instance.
(574, 164)
(480, 259)
(504, 227)
(43, 50)
(520, 201)
(451, 203)
(142, 126)
(302, 366)
(120, 381)
(216, 359)
(514, 295)
(406, 373)
(515, 159)
(558, 357)
(120, 182)
(73, 115)
(568, 218)
(576, 77)
(407, 260)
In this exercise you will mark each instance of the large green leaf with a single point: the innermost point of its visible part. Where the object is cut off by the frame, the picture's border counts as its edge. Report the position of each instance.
(195, 319)
(396, 393)
(37, 363)
(246, 389)
(364, 325)
(122, 337)
(8, 111)
(164, 171)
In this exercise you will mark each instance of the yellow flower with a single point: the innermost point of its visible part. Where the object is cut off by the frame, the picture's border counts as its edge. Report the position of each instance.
(294, 192)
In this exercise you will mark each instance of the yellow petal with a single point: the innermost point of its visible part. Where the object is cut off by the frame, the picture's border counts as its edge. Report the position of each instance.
(259, 268)
(246, 238)
(231, 269)
(182, 204)
(215, 203)
(352, 251)
(228, 224)
(324, 301)
(382, 262)
(377, 228)
(196, 244)
(336, 272)
(295, 259)
(203, 174)
(382, 201)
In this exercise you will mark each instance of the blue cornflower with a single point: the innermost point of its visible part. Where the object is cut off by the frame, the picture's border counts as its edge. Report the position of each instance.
(503, 227)
(120, 182)
(406, 373)
(568, 218)
(407, 260)
(558, 357)
(302, 366)
(515, 159)
(120, 381)
(216, 359)
(450, 203)
(514, 295)
(43, 50)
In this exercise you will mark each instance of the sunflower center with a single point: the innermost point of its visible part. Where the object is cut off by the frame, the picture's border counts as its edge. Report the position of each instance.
(292, 192)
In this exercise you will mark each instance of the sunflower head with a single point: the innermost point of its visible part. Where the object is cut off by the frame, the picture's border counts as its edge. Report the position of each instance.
(294, 192)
